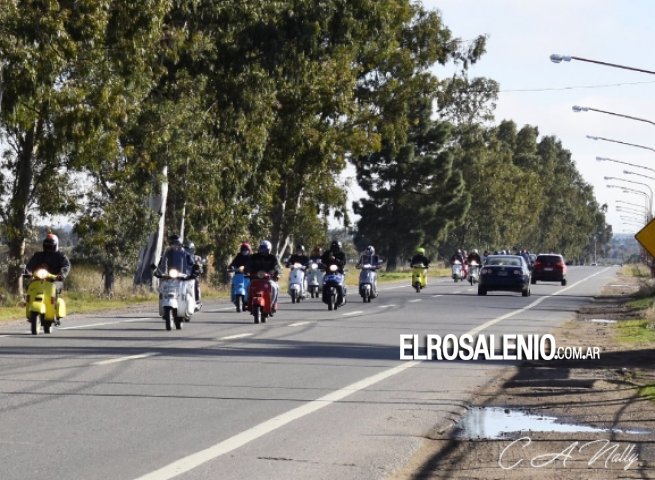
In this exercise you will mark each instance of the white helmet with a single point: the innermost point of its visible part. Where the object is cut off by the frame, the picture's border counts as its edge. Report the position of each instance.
(265, 247)
(370, 250)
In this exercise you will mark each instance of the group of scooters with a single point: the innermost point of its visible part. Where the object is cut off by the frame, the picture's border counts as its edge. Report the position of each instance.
(463, 272)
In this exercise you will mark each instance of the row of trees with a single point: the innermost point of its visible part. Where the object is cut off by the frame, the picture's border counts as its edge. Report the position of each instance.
(253, 109)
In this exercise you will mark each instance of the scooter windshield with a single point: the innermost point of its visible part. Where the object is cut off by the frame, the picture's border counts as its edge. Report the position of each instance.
(176, 260)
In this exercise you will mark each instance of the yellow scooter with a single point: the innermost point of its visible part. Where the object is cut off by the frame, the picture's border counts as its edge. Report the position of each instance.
(42, 305)
(419, 277)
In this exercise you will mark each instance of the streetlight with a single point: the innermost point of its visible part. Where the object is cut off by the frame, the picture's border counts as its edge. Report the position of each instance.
(605, 159)
(577, 108)
(630, 203)
(632, 181)
(556, 58)
(593, 137)
(628, 172)
(624, 189)
(619, 208)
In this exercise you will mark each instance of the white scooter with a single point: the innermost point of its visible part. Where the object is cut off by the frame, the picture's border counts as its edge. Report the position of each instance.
(297, 283)
(177, 301)
(457, 271)
(474, 272)
(314, 280)
(368, 282)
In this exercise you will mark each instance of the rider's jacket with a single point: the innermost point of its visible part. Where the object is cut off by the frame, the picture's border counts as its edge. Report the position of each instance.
(55, 262)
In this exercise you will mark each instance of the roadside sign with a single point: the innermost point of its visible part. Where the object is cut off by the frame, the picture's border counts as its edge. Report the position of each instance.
(646, 237)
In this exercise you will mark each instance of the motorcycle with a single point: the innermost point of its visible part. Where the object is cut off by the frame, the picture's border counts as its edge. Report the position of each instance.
(260, 297)
(333, 283)
(458, 272)
(177, 301)
(368, 282)
(297, 283)
(240, 287)
(474, 272)
(419, 276)
(42, 304)
(314, 280)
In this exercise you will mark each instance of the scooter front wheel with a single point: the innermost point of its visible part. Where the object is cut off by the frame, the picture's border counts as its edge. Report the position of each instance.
(168, 317)
(239, 303)
(34, 322)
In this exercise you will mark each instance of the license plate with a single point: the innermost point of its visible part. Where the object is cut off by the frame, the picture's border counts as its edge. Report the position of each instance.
(502, 273)
(548, 269)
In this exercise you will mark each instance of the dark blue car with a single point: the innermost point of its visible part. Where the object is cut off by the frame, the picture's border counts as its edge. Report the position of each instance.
(508, 273)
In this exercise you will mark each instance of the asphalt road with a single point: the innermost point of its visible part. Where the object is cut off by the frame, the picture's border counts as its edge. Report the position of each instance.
(311, 394)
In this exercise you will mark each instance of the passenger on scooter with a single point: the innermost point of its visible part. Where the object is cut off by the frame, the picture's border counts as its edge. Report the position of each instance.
(335, 256)
(241, 259)
(190, 247)
(298, 257)
(263, 260)
(316, 254)
(52, 259)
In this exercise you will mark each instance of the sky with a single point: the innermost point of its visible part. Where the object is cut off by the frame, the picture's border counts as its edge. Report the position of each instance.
(522, 34)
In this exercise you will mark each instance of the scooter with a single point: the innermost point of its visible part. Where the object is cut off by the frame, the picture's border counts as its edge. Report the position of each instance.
(368, 282)
(419, 276)
(314, 280)
(297, 283)
(474, 272)
(458, 271)
(177, 301)
(240, 287)
(333, 283)
(42, 305)
(260, 297)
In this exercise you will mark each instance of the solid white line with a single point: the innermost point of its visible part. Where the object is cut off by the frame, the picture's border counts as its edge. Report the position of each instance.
(123, 359)
(356, 312)
(394, 288)
(226, 308)
(194, 460)
(239, 335)
(415, 300)
(435, 296)
(298, 324)
(385, 306)
(76, 327)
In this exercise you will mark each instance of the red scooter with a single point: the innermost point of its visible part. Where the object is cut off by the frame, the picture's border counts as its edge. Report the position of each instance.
(259, 297)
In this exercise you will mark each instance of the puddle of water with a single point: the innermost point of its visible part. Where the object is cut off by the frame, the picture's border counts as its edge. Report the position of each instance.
(498, 423)
(602, 320)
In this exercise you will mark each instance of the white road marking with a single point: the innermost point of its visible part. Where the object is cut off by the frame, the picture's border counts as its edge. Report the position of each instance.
(385, 306)
(226, 308)
(356, 312)
(435, 296)
(415, 300)
(123, 359)
(76, 327)
(394, 288)
(196, 459)
(238, 335)
(298, 324)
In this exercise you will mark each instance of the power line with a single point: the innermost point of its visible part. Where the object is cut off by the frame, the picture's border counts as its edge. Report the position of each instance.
(574, 87)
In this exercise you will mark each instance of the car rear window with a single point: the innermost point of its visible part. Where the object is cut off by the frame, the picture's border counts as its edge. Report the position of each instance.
(550, 258)
(504, 261)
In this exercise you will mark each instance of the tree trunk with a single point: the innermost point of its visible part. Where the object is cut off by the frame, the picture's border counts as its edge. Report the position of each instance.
(17, 212)
(108, 275)
(392, 259)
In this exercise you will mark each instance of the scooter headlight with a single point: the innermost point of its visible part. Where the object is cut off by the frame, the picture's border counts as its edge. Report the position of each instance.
(173, 273)
(314, 266)
(296, 265)
(333, 268)
(41, 273)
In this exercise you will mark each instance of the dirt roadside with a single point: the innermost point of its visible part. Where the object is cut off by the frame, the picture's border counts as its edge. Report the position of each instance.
(599, 393)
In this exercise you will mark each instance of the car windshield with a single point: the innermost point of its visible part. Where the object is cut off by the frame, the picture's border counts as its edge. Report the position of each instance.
(504, 261)
(549, 258)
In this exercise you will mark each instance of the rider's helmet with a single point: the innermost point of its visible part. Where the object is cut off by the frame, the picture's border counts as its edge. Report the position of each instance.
(300, 250)
(265, 247)
(190, 247)
(475, 250)
(317, 251)
(335, 246)
(370, 250)
(459, 251)
(50, 243)
(420, 250)
(245, 249)
(174, 241)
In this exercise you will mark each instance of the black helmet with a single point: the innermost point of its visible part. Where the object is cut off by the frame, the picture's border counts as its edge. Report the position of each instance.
(335, 246)
(51, 243)
(190, 246)
(300, 248)
(175, 241)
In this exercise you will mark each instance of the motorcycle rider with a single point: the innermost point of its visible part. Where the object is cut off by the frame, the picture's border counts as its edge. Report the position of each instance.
(265, 261)
(316, 254)
(175, 257)
(336, 256)
(241, 259)
(457, 256)
(298, 257)
(420, 258)
(54, 261)
(474, 256)
(190, 247)
(369, 257)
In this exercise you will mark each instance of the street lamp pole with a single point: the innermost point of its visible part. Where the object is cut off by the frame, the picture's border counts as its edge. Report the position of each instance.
(556, 58)
(577, 108)
(593, 137)
(605, 159)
